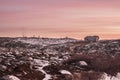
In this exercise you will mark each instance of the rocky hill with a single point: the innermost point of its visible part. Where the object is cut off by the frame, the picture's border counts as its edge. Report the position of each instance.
(59, 59)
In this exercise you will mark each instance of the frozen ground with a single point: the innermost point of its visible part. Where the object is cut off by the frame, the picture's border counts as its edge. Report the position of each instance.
(108, 77)
(59, 59)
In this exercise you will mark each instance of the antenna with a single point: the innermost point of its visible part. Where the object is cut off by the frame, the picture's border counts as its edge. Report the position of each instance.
(23, 32)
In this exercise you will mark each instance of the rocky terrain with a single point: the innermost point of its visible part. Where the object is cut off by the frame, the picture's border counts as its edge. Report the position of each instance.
(59, 59)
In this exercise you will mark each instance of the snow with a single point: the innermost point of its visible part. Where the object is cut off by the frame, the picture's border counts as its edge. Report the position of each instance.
(11, 77)
(43, 63)
(45, 41)
(65, 72)
(83, 63)
(47, 76)
(107, 77)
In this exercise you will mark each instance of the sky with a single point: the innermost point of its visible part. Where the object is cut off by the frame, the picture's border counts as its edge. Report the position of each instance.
(60, 18)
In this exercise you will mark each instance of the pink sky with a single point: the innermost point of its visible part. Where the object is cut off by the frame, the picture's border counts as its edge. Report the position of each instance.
(60, 18)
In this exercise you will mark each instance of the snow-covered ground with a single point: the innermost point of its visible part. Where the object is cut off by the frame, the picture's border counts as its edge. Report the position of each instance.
(45, 41)
(42, 64)
(11, 77)
(41, 56)
(108, 77)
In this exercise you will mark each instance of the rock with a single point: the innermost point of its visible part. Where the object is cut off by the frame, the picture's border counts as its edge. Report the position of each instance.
(2, 78)
(0, 60)
(77, 76)
(66, 74)
(3, 68)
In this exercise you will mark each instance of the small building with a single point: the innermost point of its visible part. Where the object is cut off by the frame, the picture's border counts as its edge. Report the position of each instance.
(91, 38)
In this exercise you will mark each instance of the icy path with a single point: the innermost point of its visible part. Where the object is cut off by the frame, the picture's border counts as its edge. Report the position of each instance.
(42, 64)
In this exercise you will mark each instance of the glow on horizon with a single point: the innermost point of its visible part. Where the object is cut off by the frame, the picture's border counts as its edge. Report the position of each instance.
(60, 18)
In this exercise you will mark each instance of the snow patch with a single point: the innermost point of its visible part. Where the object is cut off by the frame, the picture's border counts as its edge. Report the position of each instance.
(42, 64)
(107, 77)
(45, 41)
(11, 77)
(83, 63)
(65, 72)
